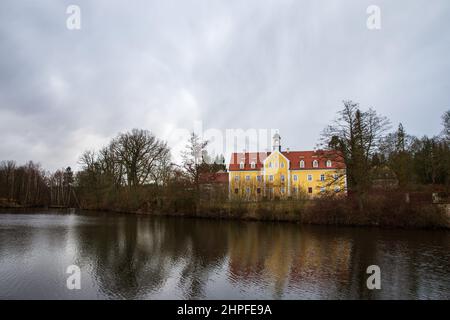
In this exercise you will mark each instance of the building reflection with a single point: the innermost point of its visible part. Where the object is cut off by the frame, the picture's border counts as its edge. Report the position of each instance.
(147, 257)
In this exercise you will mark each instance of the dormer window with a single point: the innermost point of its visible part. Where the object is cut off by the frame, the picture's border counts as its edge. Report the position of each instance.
(241, 165)
(253, 165)
(302, 163)
(328, 163)
(315, 164)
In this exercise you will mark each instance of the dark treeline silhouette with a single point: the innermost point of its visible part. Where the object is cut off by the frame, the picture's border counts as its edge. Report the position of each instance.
(30, 186)
(134, 173)
(370, 153)
(26, 184)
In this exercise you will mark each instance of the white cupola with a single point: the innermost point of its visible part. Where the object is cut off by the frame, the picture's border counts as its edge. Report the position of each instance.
(276, 142)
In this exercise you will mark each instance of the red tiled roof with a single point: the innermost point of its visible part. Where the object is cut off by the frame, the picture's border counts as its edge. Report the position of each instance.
(218, 177)
(294, 158)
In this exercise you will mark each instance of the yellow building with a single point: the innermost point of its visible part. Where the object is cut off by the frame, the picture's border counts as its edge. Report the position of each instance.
(285, 174)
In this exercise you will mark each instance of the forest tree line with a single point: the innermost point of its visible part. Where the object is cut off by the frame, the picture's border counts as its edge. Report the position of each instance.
(135, 171)
(368, 144)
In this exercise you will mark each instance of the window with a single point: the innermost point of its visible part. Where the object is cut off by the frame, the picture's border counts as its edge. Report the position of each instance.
(337, 189)
(258, 178)
(282, 164)
(241, 165)
(309, 177)
(236, 190)
(270, 164)
(271, 178)
(336, 176)
(253, 165)
(282, 189)
(282, 178)
(315, 164)
(328, 163)
(309, 190)
(247, 190)
(236, 178)
(295, 177)
(258, 190)
(322, 190)
(247, 178)
(322, 177)
(302, 164)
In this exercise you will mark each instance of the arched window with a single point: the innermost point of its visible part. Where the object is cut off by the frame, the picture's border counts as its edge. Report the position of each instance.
(302, 163)
(241, 165)
(315, 164)
(328, 163)
(253, 165)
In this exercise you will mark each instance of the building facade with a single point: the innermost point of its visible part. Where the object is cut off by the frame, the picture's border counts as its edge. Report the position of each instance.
(285, 174)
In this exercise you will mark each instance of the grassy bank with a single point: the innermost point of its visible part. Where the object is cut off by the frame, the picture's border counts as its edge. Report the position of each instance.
(375, 212)
(386, 210)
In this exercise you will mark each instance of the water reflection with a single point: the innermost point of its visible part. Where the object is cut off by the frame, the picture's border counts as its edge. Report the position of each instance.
(141, 257)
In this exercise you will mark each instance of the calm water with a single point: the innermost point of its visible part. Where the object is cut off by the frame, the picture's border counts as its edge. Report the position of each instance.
(141, 257)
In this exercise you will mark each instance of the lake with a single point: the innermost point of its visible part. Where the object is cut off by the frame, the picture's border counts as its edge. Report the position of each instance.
(143, 257)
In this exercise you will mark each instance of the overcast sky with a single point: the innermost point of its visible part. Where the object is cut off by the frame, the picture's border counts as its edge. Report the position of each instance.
(162, 65)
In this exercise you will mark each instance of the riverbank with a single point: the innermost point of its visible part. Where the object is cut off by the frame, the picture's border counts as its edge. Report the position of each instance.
(381, 211)
(385, 211)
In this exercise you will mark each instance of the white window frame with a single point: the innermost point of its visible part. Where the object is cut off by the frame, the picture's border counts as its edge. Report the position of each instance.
(329, 164)
(282, 178)
(295, 177)
(253, 165)
(271, 178)
(310, 177)
(247, 178)
(302, 163)
(236, 178)
(315, 164)
(241, 165)
(322, 177)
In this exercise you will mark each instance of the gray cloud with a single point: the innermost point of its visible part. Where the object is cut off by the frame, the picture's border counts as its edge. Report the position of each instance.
(161, 65)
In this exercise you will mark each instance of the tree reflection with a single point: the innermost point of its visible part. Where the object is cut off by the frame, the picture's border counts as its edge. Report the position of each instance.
(146, 257)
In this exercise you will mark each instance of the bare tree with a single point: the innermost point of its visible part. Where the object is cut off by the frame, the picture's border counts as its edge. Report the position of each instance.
(140, 153)
(193, 159)
(356, 135)
(446, 124)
